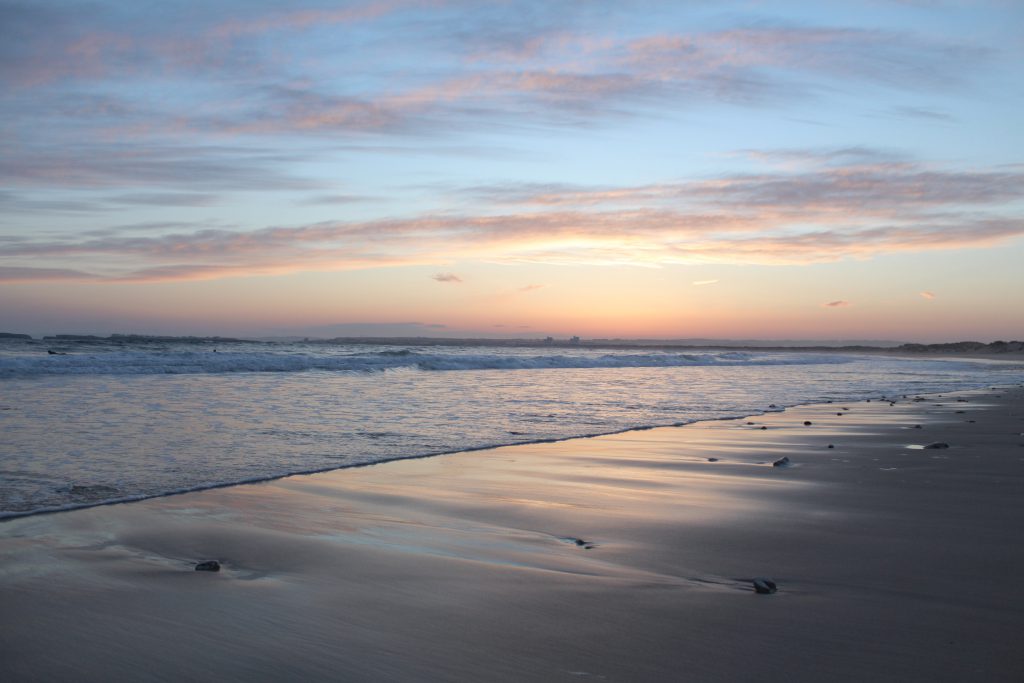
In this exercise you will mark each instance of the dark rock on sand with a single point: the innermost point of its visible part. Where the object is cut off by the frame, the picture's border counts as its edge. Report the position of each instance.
(781, 462)
(764, 586)
(831, 446)
(208, 566)
(763, 427)
(807, 423)
(937, 444)
(712, 459)
(917, 426)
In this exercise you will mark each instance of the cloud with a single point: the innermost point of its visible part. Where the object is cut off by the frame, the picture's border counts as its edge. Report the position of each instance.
(702, 283)
(921, 114)
(200, 169)
(530, 288)
(12, 274)
(928, 295)
(785, 216)
(836, 304)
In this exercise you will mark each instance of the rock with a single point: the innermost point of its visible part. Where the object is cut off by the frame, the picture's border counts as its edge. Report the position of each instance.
(807, 423)
(712, 459)
(580, 541)
(831, 446)
(839, 414)
(917, 426)
(763, 427)
(772, 405)
(937, 444)
(208, 566)
(782, 462)
(750, 423)
(764, 586)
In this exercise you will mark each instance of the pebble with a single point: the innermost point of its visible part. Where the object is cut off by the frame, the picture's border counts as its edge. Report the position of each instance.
(781, 462)
(807, 423)
(937, 444)
(208, 566)
(764, 586)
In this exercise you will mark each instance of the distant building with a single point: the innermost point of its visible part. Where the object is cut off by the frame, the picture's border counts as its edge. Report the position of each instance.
(549, 340)
(574, 340)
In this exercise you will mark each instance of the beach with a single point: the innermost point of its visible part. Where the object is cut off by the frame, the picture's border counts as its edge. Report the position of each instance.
(627, 557)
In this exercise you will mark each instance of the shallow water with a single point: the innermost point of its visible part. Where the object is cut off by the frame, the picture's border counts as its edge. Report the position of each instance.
(103, 424)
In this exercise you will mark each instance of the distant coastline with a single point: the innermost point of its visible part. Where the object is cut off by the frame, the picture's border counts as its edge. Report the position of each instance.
(995, 348)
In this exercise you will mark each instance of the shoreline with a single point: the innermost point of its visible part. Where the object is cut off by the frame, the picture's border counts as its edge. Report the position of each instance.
(11, 515)
(892, 563)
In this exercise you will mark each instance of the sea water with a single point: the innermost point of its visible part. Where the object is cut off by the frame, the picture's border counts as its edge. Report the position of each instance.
(101, 421)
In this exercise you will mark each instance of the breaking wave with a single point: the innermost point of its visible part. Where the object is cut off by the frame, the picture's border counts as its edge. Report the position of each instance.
(145, 362)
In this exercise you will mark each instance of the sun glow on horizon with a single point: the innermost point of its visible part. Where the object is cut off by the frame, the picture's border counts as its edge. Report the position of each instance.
(514, 168)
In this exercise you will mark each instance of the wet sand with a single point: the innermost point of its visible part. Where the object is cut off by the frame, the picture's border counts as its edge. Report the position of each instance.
(893, 563)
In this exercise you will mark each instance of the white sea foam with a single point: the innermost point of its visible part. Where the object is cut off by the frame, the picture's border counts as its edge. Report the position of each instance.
(172, 361)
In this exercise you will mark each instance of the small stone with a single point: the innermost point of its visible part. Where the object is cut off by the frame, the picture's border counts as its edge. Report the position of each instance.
(580, 541)
(772, 405)
(831, 446)
(763, 427)
(839, 414)
(712, 459)
(917, 426)
(781, 462)
(764, 586)
(807, 423)
(937, 444)
(208, 566)
(750, 423)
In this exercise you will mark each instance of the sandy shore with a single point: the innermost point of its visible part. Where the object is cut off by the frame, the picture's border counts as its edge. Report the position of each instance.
(892, 563)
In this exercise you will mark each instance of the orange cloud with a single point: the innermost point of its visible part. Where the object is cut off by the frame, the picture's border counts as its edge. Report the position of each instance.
(836, 304)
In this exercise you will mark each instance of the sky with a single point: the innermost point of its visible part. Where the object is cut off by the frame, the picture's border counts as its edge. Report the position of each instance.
(769, 170)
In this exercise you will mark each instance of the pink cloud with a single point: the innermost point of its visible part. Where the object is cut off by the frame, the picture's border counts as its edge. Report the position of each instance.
(836, 304)
(927, 295)
(447, 277)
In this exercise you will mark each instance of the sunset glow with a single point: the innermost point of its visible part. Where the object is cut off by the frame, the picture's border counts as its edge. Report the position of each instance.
(780, 170)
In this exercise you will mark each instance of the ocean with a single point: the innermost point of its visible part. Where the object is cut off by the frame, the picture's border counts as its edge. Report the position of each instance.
(102, 421)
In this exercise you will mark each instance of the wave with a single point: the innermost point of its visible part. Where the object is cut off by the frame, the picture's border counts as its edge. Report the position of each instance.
(144, 362)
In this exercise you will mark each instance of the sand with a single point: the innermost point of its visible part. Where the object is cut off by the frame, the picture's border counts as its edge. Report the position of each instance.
(892, 563)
